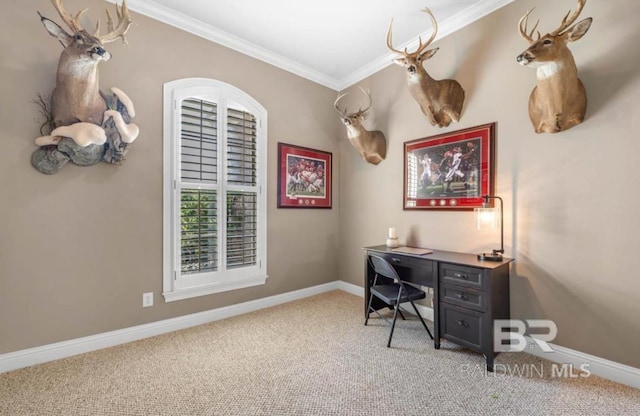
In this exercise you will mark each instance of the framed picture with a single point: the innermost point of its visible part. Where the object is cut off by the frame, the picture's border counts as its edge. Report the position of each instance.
(304, 177)
(450, 171)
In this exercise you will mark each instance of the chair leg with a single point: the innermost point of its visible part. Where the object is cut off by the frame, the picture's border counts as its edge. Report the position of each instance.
(421, 320)
(400, 312)
(395, 316)
(393, 325)
(368, 309)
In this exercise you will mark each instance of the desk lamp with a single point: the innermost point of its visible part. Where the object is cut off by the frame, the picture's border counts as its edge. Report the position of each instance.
(486, 218)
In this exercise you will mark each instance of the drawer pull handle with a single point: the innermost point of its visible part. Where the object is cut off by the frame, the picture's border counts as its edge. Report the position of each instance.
(461, 296)
(461, 276)
(463, 323)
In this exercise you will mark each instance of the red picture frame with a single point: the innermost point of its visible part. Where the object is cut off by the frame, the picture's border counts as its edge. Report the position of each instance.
(304, 177)
(450, 171)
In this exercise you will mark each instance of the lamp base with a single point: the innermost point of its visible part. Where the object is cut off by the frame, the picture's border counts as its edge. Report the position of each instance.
(490, 256)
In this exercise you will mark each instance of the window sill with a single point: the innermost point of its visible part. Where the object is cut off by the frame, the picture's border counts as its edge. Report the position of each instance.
(209, 289)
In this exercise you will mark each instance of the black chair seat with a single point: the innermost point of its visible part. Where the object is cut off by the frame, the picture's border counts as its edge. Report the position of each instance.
(389, 293)
(393, 293)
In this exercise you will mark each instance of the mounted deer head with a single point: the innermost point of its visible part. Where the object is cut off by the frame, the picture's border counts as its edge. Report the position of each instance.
(372, 145)
(559, 100)
(87, 126)
(76, 97)
(440, 100)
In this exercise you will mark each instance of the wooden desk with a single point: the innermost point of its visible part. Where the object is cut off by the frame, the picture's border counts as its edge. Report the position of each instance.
(468, 294)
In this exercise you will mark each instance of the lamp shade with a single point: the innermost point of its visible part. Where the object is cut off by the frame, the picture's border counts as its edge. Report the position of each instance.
(486, 218)
(490, 218)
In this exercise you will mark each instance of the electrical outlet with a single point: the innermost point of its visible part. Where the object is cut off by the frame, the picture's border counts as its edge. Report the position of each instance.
(147, 299)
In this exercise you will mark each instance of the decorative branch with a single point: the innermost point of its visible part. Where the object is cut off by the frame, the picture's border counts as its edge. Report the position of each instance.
(43, 102)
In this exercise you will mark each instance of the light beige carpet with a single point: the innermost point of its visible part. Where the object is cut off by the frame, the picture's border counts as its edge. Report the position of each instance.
(309, 357)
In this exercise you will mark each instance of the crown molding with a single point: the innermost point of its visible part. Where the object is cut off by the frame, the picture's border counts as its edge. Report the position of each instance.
(166, 15)
(171, 17)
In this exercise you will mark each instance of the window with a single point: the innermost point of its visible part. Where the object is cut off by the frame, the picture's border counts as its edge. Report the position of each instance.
(214, 205)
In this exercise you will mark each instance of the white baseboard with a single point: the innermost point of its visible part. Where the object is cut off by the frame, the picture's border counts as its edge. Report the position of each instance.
(58, 350)
(601, 367)
(351, 288)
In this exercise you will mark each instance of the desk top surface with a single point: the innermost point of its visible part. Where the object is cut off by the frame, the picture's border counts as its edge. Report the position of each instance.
(465, 259)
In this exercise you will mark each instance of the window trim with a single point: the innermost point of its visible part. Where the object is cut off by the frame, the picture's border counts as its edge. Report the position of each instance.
(223, 280)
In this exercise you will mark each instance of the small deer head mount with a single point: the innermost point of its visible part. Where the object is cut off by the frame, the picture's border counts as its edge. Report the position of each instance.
(440, 100)
(559, 100)
(88, 126)
(372, 145)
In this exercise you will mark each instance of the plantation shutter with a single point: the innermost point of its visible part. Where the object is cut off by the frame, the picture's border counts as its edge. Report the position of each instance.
(242, 194)
(199, 141)
(198, 192)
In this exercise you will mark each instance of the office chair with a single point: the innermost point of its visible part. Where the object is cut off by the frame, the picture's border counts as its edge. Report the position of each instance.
(392, 293)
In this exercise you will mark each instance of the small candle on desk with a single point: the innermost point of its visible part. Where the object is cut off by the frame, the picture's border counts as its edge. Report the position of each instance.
(392, 232)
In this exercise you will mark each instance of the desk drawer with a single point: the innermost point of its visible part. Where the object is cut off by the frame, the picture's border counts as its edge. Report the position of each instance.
(412, 269)
(461, 296)
(462, 276)
(410, 262)
(462, 326)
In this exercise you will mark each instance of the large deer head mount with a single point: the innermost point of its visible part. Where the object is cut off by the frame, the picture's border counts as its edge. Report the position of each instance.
(440, 100)
(559, 100)
(372, 145)
(89, 126)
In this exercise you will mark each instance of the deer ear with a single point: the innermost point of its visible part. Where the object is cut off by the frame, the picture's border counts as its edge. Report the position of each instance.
(428, 54)
(400, 61)
(579, 30)
(56, 31)
(365, 115)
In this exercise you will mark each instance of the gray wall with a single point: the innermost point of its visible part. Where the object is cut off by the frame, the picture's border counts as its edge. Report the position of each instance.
(570, 198)
(78, 249)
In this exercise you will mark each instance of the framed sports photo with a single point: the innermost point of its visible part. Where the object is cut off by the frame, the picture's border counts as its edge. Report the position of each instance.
(304, 177)
(450, 171)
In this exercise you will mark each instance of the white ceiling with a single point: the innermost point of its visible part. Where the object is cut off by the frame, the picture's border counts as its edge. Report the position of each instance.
(335, 43)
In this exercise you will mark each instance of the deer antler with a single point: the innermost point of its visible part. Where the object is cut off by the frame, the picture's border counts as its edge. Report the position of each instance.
(390, 41)
(124, 22)
(433, 35)
(569, 18)
(71, 21)
(335, 104)
(421, 46)
(361, 111)
(522, 27)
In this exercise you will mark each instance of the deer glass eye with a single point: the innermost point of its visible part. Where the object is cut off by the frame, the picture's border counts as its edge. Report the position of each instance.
(77, 37)
(547, 42)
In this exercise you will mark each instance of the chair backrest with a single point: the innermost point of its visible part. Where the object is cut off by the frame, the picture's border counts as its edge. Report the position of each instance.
(383, 267)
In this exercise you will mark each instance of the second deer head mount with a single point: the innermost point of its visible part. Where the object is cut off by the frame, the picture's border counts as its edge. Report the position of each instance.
(440, 100)
(559, 100)
(372, 145)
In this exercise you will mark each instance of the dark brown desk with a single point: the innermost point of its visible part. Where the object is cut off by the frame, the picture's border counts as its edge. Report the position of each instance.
(468, 294)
